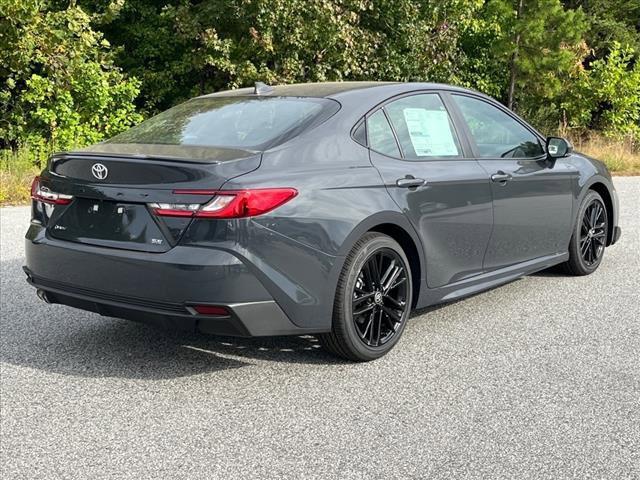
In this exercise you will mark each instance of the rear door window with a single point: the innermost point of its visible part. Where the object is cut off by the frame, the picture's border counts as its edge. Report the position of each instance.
(423, 127)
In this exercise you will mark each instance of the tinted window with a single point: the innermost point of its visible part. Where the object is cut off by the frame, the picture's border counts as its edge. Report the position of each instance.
(496, 134)
(423, 127)
(360, 134)
(381, 137)
(237, 122)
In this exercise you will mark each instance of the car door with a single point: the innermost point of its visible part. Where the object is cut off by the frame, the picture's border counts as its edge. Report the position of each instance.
(532, 201)
(427, 170)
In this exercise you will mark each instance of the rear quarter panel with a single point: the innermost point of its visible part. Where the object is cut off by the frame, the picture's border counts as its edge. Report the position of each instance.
(298, 250)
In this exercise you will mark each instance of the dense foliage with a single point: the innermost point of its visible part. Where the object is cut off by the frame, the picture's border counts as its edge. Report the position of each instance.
(74, 72)
(59, 84)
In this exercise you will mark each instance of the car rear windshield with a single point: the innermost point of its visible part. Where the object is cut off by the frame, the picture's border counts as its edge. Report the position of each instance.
(235, 122)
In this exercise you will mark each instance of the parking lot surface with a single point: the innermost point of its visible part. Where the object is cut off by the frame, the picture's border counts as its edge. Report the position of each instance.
(539, 378)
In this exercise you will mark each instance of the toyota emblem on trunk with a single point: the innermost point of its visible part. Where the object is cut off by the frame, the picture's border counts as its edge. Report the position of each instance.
(99, 171)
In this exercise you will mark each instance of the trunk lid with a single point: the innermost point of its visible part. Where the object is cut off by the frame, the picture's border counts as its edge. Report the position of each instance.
(111, 192)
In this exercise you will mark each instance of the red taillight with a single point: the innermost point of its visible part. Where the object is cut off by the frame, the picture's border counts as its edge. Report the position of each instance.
(44, 194)
(213, 310)
(227, 203)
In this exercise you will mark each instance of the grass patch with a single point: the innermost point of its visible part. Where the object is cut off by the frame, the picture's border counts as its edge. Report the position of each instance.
(622, 157)
(17, 170)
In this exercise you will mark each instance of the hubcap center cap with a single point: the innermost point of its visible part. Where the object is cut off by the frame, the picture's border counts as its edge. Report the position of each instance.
(377, 298)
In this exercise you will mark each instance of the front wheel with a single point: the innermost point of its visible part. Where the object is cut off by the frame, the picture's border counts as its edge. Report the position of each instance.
(589, 238)
(373, 300)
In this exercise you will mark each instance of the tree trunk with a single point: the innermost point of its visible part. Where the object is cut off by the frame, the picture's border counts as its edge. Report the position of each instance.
(513, 74)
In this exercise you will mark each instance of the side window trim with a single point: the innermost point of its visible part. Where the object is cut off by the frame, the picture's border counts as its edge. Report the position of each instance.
(395, 134)
(462, 130)
(467, 153)
(472, 143)
(395, 137)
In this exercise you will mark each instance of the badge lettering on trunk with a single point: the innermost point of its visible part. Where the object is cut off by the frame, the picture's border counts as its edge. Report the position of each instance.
(156, 241)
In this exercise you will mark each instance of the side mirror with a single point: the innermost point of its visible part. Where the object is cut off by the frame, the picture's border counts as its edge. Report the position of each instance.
(558, 147)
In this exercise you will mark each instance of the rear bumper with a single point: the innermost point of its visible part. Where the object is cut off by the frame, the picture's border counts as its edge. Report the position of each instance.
(155, 288)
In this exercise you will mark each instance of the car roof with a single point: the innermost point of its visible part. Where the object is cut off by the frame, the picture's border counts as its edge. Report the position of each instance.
(334, 89)
(320, 89)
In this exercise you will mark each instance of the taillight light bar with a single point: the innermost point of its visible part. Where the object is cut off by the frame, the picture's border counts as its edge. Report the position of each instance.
(45, 195)
(227, 203)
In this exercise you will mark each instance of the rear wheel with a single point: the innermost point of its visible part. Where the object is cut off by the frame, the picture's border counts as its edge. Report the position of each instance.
(589, 238)
(373, 300)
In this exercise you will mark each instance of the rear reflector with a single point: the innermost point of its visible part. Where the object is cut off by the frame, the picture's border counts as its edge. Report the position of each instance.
(227, 203)
(213, 310)
(45, 195)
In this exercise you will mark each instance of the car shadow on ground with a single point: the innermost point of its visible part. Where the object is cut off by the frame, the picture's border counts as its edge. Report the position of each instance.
(73, 342)
(67, 341)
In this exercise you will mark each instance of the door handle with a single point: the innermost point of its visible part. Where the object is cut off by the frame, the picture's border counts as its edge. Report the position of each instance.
(410, 182)
(501, 177)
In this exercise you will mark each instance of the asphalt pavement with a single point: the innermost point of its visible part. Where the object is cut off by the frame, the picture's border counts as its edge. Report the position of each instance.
(539, 378)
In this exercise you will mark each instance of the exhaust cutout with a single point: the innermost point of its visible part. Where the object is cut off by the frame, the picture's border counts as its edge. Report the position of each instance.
(42, 295)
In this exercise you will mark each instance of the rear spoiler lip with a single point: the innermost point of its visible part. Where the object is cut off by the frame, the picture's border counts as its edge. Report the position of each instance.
(124, 156)
(145, 156)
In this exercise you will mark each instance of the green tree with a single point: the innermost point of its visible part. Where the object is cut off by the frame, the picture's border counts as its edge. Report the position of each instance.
(184, 48)
(58, 83)
(611, 22)
(607, 97)
(541, 44)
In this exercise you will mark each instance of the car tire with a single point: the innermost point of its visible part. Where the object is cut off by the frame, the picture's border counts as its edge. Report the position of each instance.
(371, 308)
(588, 242)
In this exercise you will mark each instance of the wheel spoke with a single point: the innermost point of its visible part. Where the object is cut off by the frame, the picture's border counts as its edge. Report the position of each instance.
(585, 246)
(368, 278)
(391, 314)
(398, 305)
(398, 283)
(375, 271)
(360, 291)
(372, 332)
(380, 263)
(379, 329)
(365, 296)
(369, 323)
(592, 218)
(387, 286)
(364, 309)
(388, 272)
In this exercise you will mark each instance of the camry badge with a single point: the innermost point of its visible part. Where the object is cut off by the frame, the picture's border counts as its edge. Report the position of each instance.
(99, 171)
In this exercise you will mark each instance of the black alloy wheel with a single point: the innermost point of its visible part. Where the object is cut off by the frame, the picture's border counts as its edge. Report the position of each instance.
(593, 233)
(379, 298)
(589, 239)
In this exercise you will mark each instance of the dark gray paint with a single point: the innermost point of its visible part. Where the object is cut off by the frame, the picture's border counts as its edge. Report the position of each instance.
(469, 233)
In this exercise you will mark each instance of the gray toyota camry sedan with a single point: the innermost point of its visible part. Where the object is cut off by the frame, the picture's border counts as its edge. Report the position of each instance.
(331, 209)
